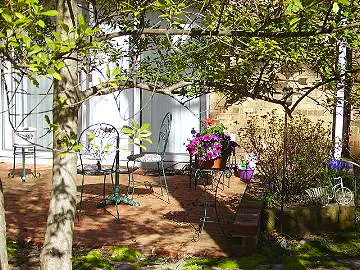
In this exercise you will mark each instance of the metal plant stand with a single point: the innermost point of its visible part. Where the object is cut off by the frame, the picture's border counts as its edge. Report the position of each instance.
(216, 176)
(24, 152)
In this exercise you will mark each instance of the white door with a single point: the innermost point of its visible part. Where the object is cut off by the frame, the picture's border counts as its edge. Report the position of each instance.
(154, 108)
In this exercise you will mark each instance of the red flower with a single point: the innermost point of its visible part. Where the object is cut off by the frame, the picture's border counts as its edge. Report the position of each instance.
(209, 121)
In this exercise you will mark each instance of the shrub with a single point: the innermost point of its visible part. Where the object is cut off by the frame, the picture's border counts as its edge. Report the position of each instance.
(308, 148)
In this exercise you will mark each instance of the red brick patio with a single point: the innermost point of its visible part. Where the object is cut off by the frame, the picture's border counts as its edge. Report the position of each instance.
(154, 227)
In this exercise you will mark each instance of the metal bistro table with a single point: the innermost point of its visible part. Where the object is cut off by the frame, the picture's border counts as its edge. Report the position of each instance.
(117, 198)
(216, 176)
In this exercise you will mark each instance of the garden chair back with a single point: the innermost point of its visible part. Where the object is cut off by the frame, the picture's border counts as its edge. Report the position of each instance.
(157, 157)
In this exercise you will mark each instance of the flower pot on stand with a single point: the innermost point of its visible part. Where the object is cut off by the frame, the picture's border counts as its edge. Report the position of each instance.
(218, 163)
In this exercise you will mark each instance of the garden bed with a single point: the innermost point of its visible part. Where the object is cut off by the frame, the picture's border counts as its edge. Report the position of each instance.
(327, 251)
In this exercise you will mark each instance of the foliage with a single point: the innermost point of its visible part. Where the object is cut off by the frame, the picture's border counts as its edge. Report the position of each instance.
(125, 254)
(30, 43)
(250, 65)
(328, 251)
(308, 148)
(329, 172)
(14, 247)
(246, 262)
(324, 251)
(93, 260)
(105, 259)
(138, 133)
(211, 143)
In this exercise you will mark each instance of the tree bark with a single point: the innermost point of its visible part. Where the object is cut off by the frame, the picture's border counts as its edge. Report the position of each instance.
(3, 252)
(57, 249)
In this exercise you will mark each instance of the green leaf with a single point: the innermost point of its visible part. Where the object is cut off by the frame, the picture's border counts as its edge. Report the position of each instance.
(41, 23)
(136, 124)
(64, 26)
(82, 23)
(141, 146)
(127, 129)
(7, 17)
(107, 72)
(55, 74)
(344, 2)
(113, 84)
(147, 139)
(335, 7)
(294, 20)
(145, 126)
(60, 65)
(91, 136)
(116, 72)
(50, 13)
(35, 49)
(26, 40)
(34, 81)
(19, 15)
(47, 119)
(77, 147)
(9, 32)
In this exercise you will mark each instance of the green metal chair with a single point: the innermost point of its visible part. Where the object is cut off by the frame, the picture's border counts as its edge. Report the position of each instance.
(155, 157)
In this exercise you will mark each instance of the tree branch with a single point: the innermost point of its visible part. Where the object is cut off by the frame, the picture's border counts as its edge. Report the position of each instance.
(108, 89)
(233, 33)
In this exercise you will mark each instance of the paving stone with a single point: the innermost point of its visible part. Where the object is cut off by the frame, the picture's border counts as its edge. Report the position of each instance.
(154, 226)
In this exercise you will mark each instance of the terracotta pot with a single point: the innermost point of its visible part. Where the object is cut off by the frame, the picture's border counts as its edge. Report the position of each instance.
(218, 163)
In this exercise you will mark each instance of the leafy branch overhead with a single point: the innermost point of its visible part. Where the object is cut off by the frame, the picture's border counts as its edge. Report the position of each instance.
(188, 48)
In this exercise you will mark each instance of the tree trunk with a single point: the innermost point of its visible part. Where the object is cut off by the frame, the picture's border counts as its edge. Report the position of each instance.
(57, 250)
(3, 252)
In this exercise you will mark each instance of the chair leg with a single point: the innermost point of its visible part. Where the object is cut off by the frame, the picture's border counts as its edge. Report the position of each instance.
(131, 184)
(14, 159)
(104, 186)
(165, 181)
(160, 172)
(112, 181)
(35, 174)
(81, 194)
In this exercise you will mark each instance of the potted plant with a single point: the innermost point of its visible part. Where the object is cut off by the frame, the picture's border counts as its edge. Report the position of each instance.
(246, 170)
(212, 147)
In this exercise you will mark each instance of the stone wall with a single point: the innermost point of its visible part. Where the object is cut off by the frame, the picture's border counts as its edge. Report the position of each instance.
(235, 117)
(298, 221)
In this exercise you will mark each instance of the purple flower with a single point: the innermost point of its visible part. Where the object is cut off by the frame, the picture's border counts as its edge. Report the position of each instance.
(209, 146)
(337, 165)
(193, 131)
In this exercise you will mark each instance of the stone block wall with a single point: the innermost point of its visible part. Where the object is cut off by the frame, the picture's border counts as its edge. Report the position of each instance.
(355, 116)
(235, 117)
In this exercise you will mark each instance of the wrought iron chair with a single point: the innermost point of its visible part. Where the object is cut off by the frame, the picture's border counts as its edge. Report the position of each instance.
(156, 157)
(99, 143)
